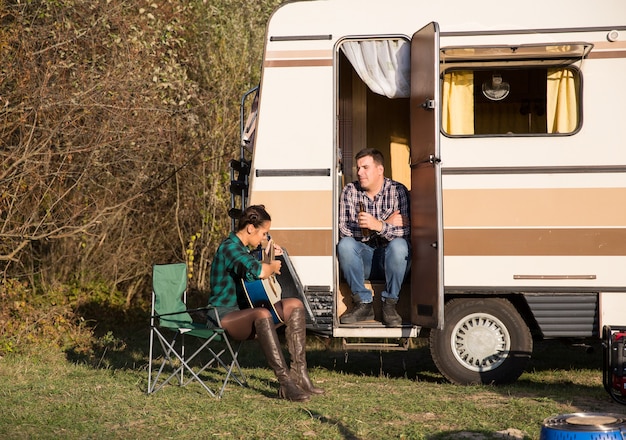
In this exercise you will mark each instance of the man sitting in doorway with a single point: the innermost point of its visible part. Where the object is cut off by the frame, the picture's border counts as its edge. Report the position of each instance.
(374, 241)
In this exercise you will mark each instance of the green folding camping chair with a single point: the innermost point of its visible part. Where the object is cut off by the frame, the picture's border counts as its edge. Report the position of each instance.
(171, 323)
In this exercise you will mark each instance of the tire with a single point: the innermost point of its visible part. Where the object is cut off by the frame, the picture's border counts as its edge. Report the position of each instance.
(484, 341)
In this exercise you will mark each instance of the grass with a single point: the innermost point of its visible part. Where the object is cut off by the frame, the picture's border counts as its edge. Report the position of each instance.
(370, 395)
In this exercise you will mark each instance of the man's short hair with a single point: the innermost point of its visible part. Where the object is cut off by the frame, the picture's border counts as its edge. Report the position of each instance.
(377, 156)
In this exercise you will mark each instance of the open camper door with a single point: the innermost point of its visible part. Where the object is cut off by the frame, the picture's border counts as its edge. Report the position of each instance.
(426, 221)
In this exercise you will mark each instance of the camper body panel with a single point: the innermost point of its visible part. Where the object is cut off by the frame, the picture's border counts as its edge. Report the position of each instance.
(301, 198)
(611, 309)
(367, 17)
(522, 215)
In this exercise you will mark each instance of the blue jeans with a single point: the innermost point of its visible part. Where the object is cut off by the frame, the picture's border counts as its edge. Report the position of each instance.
(360, 262)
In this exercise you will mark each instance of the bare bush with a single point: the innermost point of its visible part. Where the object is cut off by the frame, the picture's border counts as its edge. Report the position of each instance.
(117, 122)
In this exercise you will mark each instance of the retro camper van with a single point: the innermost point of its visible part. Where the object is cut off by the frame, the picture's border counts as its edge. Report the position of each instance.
(504, 121)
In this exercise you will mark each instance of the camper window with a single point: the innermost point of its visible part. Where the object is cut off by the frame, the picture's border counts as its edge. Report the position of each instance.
(513, 101)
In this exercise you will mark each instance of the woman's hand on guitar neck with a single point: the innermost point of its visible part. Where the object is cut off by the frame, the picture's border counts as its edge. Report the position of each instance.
(277, 249)
(269, 269)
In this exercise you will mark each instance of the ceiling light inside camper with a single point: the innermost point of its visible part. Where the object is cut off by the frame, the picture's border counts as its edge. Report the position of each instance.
(496, 89)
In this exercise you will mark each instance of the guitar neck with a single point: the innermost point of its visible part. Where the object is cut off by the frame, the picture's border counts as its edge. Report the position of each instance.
(269, 254)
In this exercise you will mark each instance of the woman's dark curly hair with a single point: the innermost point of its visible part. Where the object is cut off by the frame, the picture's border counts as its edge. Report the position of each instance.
(254, 215)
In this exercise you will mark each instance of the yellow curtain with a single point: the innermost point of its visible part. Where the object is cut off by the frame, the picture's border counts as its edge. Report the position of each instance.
(457, 116)
(562, 106)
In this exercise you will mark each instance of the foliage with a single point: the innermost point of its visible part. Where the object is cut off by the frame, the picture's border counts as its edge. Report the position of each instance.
(117, 122)
(38, 320)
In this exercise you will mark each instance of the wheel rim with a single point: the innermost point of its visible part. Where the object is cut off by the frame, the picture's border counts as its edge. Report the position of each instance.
(480, 342)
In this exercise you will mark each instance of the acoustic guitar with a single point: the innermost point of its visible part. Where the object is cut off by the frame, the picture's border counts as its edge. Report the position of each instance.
(267, 292)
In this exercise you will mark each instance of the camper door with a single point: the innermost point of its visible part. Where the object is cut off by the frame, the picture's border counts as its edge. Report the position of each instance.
(426, 204)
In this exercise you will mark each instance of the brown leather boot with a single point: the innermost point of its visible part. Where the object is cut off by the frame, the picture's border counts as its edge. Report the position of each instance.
(268, 338)
(296, 342)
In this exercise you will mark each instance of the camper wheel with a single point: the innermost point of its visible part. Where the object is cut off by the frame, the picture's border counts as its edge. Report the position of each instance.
(484, 341)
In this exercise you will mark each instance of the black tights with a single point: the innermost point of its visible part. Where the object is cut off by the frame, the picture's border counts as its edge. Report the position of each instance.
(240, 324)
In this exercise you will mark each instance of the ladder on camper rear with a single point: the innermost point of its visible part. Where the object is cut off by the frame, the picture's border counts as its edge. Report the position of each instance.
(240, 168)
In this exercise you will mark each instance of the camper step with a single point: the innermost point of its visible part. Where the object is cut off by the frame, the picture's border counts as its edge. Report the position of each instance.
(319, 302)
(398, 345)
(372, 323)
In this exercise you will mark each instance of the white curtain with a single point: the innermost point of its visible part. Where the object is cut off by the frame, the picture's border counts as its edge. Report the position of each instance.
(384, 65)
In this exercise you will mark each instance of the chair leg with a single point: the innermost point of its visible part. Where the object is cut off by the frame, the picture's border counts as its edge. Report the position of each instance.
(296, 342)
(238, 375)
(170, 355)
(268, 338)
(150, 386)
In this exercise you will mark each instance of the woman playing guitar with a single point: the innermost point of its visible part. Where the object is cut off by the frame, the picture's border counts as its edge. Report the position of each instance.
(233, 263)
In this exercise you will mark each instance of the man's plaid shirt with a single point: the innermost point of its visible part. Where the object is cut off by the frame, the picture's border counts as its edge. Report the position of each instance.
(232, 263)
(392, 197)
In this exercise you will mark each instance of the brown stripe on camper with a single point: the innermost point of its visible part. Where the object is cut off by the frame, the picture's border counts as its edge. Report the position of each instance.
(302, 221)
(307, 243)
(298, 63)
(285, 54)
(297, 209)
(607, 54)
(535, 242)
(606, 49)
(534, 207)
(298, 58)
(483, 242)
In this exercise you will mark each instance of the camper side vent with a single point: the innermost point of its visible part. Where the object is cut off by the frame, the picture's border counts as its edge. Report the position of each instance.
(565, 314)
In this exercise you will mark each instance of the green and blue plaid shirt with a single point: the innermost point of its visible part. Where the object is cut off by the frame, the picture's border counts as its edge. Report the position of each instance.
(232, 263)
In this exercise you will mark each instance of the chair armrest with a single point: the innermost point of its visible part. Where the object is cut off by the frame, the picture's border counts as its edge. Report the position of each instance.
(216, 313)
(182, 311)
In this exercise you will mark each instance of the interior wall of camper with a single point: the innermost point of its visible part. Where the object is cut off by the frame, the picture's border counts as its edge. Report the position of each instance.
(369, 120)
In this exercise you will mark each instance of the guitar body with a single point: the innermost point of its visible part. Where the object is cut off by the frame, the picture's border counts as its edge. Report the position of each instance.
(265, 293)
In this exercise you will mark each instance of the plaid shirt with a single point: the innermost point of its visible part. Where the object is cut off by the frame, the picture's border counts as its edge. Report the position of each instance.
(392, 197)
(232, 263)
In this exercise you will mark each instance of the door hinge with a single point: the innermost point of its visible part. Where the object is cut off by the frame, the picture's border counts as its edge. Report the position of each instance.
(429, 104)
